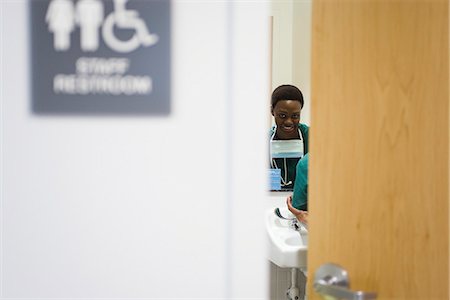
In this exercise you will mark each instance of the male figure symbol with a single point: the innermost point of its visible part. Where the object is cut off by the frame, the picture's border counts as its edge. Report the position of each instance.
(89, 16)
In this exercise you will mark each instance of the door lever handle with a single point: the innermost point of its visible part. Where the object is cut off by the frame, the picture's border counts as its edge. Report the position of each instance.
(331, 280)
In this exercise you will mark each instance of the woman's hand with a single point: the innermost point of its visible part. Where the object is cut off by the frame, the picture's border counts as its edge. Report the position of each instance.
(301, 215)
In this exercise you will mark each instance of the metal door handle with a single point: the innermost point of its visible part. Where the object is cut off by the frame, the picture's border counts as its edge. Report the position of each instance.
(332, 281)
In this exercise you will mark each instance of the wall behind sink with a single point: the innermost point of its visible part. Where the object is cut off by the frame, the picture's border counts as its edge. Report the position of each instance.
(110, 207)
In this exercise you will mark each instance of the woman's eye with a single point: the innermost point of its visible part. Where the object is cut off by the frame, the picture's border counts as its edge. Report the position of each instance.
(295, 116)
(282, 116)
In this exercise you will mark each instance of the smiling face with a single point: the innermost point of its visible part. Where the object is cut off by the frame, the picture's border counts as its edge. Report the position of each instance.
(287, 117)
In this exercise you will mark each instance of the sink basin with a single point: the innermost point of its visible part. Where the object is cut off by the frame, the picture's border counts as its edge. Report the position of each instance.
(287, 247)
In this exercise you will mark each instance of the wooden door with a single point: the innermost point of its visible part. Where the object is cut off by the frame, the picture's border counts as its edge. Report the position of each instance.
(379, 173)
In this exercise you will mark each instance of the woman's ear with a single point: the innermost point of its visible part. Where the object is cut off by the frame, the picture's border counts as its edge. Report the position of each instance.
(271, 111)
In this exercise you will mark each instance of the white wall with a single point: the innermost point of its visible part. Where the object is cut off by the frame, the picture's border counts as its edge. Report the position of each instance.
(141, 207)
(282, 12)
(301, 58)
(249, 79)
(291, 47)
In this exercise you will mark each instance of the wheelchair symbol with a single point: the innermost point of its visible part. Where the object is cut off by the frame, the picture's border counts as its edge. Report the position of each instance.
(126, 19)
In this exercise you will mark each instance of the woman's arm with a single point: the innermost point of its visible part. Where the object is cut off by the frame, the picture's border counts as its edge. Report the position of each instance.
(301, 215)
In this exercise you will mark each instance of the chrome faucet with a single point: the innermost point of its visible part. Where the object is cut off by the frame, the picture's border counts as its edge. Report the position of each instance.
(294, 223)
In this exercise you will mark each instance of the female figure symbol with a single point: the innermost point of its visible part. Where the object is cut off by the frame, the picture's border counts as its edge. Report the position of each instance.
(61, 22)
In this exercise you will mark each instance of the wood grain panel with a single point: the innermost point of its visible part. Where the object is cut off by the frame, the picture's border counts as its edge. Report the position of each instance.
(379, 171)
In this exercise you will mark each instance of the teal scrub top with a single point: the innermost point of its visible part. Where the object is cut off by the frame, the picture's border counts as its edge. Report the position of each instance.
(300, 196)
(290, 173)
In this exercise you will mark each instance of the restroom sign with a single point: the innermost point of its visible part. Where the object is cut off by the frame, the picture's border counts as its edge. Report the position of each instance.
(100, 57)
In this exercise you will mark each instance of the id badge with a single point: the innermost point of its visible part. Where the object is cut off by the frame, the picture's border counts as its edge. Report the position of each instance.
(275, 179)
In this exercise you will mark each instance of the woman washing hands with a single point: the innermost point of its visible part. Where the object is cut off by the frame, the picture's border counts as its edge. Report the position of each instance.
(298, 202)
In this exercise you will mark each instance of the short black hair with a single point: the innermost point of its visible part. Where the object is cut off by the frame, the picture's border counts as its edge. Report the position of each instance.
(287, 92)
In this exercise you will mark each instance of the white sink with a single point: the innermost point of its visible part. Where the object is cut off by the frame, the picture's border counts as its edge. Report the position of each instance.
(287, 247)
